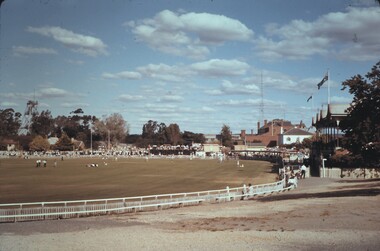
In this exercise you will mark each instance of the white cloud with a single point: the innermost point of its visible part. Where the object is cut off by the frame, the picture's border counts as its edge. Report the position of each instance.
(170, 98)
(220, 67)
(352, 35)
(164, 72)
(130, 98)
(214, 92)
(22, 50)
(87, 45)
(207, 109)
(161, 109)
(53, 93)
(8, 104)
(213, 28)
(17, 96)
(122, 75)
(229, 88)
(74, 105)
(188, 34)
(247, 102)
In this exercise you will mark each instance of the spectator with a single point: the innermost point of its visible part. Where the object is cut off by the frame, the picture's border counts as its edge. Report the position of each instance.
(303, 171)
(250, 190)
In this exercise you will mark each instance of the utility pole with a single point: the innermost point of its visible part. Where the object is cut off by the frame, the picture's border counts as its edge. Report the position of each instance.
(109, 142)
(91, 141)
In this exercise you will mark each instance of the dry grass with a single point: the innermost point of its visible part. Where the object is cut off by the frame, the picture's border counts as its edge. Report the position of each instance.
(21, 181)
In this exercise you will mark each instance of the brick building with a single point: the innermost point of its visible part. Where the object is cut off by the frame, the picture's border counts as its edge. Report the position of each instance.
(268, 134)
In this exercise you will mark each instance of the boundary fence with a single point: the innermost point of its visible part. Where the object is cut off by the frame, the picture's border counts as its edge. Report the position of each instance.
(15, 212)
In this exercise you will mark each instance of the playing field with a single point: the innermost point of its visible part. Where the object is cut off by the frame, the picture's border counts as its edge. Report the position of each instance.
(21, 181)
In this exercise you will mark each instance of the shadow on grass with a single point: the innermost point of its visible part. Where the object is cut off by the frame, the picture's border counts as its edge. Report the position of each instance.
(332, 194)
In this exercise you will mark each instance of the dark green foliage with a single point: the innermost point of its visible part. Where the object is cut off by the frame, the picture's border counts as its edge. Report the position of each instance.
(226, 136)
(362, 125)
(10, 122)
(42, 124)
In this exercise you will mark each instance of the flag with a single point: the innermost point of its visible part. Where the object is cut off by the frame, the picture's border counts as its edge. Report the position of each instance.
(324, 79)
(309, 98)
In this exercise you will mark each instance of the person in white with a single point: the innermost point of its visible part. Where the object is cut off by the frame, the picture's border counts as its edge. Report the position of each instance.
(250, 190)
(244, 192)
(303, 171)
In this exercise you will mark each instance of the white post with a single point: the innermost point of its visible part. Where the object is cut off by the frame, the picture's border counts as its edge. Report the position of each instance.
(228, 193)
(91, 141)
(324, 169)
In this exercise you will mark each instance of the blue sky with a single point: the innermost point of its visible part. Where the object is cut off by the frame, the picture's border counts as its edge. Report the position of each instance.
(200, 64)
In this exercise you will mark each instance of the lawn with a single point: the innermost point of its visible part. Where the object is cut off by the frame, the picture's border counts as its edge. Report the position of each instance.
(21, 181)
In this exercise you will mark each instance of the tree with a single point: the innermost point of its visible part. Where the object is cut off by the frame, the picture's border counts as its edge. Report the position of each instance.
(190, 137)
(39, 143)
(9, 122)
(153, 133)
(113, 127)
(64, 143)
(42, 124)
(173, 134)
(226, 136)
(307, 142)
(149, 130)
(362, 124)
(76, 126)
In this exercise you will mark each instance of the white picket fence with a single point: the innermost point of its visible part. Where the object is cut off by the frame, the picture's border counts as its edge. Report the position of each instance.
(15, 212)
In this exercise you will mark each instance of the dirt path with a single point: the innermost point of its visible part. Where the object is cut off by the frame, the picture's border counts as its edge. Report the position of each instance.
(321, 214)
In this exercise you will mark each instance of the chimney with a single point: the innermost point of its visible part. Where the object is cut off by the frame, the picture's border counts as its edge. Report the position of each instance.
(251, 131)
(265, 122)
(258, 127)
(242, 134)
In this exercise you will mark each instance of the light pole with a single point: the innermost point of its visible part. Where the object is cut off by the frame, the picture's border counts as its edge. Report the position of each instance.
(109, 140)
(91, 141)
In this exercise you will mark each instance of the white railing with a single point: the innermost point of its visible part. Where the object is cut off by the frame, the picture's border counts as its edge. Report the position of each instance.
(13, 212)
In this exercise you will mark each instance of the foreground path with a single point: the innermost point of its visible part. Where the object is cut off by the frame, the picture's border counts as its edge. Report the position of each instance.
(321, 214)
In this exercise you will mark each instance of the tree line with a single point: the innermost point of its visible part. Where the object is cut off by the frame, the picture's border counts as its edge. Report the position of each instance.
(90, 130)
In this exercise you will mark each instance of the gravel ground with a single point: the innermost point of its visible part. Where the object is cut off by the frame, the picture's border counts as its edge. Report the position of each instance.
(321, 214)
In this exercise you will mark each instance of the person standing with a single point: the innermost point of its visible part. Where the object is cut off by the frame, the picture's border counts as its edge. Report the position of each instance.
(244, 192)
(250, 190)
(303, 171)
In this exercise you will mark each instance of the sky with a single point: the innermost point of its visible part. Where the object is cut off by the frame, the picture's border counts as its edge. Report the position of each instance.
(198, 63)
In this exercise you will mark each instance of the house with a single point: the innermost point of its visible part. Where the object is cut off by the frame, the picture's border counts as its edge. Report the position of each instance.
(211, 138)
(250, 147)
(294, 135)
(52, 140)
(78, 145)
(211, 148)
(268, 134)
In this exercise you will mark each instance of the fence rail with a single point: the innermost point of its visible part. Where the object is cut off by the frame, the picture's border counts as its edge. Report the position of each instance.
(13, 212)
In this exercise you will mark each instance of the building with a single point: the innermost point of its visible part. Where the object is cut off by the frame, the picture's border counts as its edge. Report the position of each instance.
(328, 134)
(294, 135)
(268, 134)
(211, 148)
(327, 122)
(212, 138)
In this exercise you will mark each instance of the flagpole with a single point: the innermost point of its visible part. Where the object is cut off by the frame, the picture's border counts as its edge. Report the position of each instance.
(328, 86)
